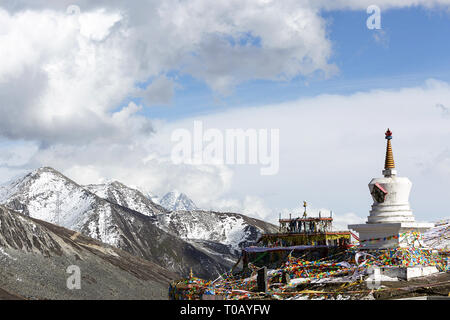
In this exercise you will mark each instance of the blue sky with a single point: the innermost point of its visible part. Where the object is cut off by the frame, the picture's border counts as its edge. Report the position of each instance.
(415, 47)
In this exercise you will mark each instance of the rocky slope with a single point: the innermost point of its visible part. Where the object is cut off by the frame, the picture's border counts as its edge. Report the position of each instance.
(48, 195)
(35, 255)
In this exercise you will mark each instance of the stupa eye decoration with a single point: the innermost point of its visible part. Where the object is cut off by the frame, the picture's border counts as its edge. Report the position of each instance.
(378, 193)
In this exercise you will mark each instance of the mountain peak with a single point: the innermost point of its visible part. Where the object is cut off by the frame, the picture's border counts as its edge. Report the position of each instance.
(49, 172)
(45, 169)
(121, 194)
(47, 194)
(176, 200)
(116, 184)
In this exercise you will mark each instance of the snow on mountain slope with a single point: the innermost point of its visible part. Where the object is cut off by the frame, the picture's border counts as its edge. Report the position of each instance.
(48, 195)
(439, 236)
(148, 194)
(119, 193)
(231, 229)
(176, 200)
(209, 232)
(154, 198)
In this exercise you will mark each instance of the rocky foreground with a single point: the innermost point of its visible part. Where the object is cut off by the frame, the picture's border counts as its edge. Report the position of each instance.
(35, 256)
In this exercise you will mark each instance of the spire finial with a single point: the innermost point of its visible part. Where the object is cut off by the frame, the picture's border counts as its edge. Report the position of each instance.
(389, 165)
(388, 134)
(304, 205)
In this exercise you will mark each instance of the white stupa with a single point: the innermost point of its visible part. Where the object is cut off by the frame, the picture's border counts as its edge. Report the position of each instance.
(391, 221)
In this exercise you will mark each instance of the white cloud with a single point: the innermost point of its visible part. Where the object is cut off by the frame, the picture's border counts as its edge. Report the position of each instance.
(59, 84)
(250, 205)
(159, 92)
(332, 145)
(85, 175)
(341, 221)
(64, 75)
(64, 80)
(16, 154)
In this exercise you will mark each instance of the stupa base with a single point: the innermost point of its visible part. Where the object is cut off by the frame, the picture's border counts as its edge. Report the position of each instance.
(392, 273)
(389, 235)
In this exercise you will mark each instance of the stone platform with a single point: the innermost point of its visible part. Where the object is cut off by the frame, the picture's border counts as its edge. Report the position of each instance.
(392, 273)
(387, 230)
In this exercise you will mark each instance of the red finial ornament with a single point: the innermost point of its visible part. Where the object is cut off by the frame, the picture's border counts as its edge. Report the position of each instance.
(388, 134)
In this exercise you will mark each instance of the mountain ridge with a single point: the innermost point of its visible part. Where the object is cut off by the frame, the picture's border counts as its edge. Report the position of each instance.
(156, 234)
(35, 195)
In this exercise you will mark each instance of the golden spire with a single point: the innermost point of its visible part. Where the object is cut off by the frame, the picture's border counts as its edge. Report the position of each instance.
(304, 205)
(389, 162)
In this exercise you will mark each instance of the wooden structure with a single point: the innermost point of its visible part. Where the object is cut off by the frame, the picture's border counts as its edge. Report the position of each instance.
(310, 231)
(312, 237)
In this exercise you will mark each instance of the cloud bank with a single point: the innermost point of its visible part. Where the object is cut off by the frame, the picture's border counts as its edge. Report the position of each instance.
(73, 85)
(330, 148)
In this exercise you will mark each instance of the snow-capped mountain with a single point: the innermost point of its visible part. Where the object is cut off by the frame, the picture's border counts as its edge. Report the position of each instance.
(176, 200)
(48, 195)
(125, 196)
(230, 229)
(439, 236)
(188, 223)
(124, 217)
